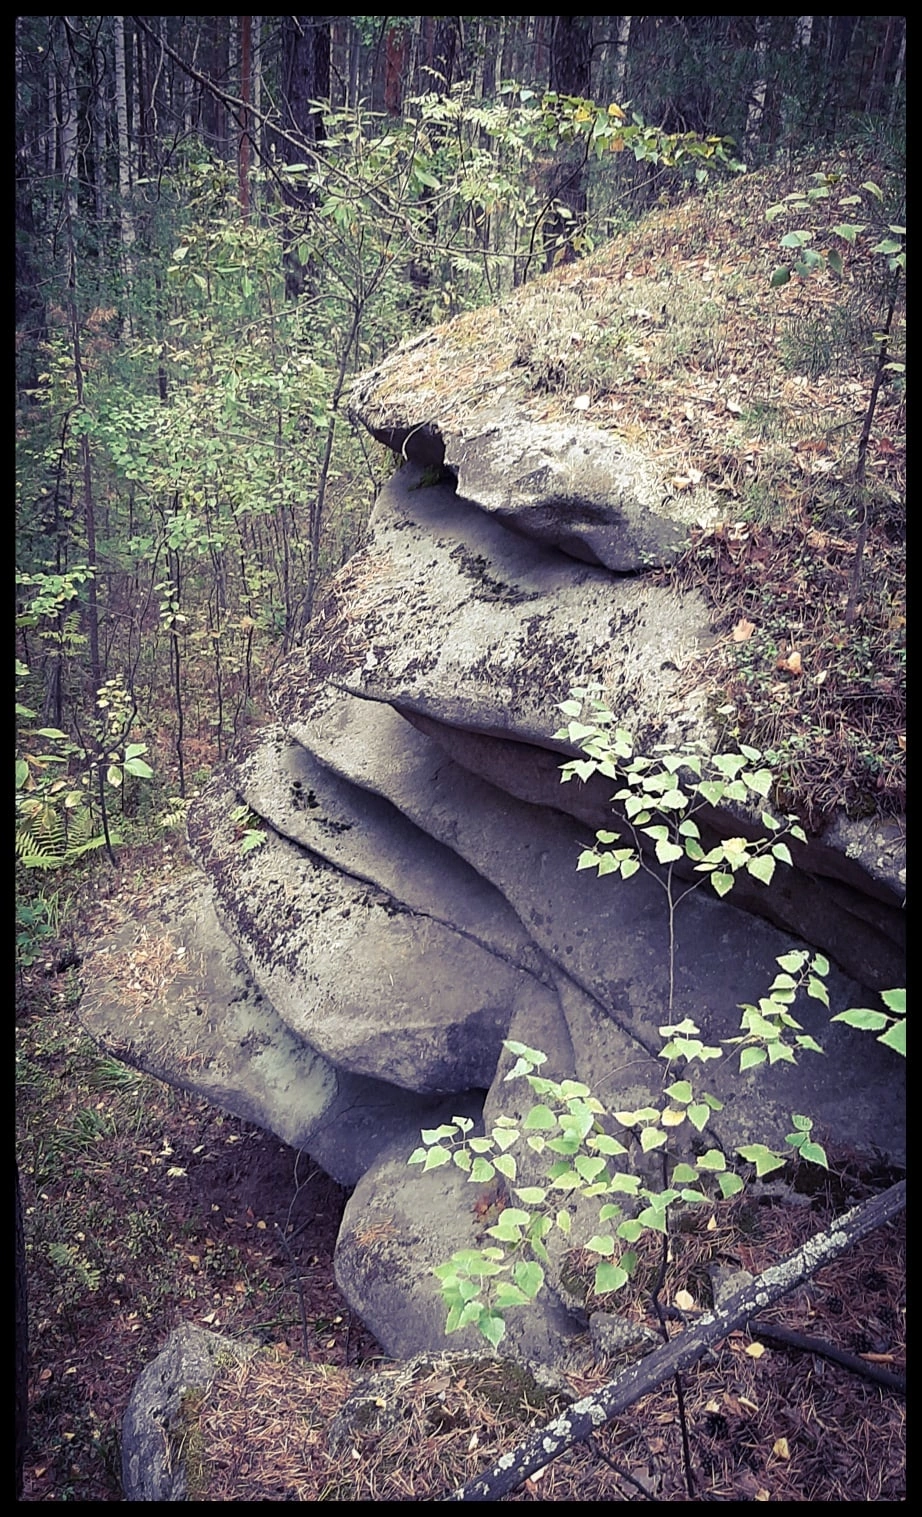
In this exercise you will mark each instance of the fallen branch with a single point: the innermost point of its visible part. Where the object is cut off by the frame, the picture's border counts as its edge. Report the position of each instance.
(772, 1332)
(592, 1412)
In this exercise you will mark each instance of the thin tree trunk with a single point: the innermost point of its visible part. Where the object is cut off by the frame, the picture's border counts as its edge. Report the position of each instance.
(126, 220)
(622, 39)
(851, 609)
(69, 173)
(756, 109)
(243, 156)
(257, 70)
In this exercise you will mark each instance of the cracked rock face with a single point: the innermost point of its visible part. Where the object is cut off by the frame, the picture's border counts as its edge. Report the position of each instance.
(415, 901)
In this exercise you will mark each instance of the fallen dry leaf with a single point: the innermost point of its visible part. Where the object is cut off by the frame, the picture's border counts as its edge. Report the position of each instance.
(780, 1447)
(742, 630)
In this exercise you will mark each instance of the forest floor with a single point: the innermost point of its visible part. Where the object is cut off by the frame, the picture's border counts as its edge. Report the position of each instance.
(145, 1208)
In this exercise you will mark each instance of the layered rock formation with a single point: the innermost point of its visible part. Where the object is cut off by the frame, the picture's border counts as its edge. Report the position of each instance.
(416, 899)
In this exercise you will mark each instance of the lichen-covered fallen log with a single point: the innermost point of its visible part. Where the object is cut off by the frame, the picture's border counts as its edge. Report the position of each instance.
(592, 1412)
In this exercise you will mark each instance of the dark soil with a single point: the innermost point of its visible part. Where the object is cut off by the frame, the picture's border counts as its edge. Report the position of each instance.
(145, 1208)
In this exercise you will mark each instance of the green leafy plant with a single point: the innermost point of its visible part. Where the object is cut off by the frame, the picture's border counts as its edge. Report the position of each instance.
(893, 1020)
(248, 829)
(660, 797)
(36, 922)
(581, 1139)
(808, 260)
(595, 1153)
(79, 1274)
(61, 782)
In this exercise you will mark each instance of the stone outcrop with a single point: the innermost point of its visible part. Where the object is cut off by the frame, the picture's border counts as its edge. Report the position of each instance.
(415, 901)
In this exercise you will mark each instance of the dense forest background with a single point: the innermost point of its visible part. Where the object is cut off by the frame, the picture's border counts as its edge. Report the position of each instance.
(219, 220)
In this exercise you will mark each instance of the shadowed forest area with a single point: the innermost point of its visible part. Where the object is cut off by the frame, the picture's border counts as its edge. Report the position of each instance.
(220, 222)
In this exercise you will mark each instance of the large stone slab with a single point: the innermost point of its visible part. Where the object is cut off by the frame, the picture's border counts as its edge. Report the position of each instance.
(367, 838)
(611, 937)
(448, 613)
(569, 484)
(572, 487)
(168, 992)
(376, 988)
(844, 896)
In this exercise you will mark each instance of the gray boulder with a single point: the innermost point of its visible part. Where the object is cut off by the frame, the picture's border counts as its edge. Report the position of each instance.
(154, 1465)
(200, 1023)
(414, 900)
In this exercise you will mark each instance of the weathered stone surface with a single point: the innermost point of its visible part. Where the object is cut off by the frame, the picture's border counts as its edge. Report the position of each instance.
(488, 683)
(611, 938)
(569, 487)
(449, 614)
(374, 987)
(205, 1027)
(153, 1465)
(368, 839)
(841, 894)
(398, 1225)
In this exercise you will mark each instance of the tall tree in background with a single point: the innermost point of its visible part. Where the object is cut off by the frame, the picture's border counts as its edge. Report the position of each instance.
(126, 218)
(570, 74)
(243, 152)
(305, 80)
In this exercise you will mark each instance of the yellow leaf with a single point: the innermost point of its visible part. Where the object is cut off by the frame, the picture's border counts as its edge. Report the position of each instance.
(781, 1449)
(749, 1405)
(755, 1350)
(684, 1301)
(763, 1494)
(712, 1225)
(672, 1118)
